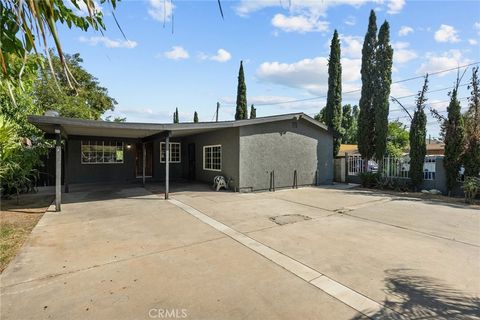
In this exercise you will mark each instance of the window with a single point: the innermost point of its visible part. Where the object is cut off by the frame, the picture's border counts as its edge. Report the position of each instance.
(212, 158)
(95, 152)
(175, 152)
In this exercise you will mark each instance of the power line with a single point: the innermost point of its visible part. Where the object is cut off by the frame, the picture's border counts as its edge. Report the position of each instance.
(428, 104)
(430, 91)
(357, 90)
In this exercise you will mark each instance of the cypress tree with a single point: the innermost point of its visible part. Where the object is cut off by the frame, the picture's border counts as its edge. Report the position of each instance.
(195, 117)
(366, 119)
(454, 139)
(175, 116)
(417, 136)
(241, 112)
(333, 111)
(383, 65)
(471, 158)
(253, 112)
(349, 124)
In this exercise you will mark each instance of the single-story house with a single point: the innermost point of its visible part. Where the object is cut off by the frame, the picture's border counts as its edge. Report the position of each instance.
(256, 154)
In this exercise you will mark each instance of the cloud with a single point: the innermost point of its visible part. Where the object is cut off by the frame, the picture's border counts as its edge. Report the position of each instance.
(476, 26)
(446, 33)
(82, 9)
(395, 6)
(308, 74)
(350, 21)
(351, 46)
(473, 42)
(221, 56)
(299, 23)
(401, 53)
(161, 10)
(109, 43)
(405, 31)
(447, 60)
(177, 53)
(399, 90)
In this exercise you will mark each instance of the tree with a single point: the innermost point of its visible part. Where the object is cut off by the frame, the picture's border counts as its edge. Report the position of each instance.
(333, 110)
(383, 66)
(253, 112)
(195, 117)
(397, 139)
(366, 119)
(471, 157)
(349, 124)
(175, 116)
(85, 98)
(454, 139)
(321, 115)
(417, 136)
(241, 112)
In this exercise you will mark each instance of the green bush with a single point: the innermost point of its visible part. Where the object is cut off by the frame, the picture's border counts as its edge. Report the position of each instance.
(471, 186)
(369, 179)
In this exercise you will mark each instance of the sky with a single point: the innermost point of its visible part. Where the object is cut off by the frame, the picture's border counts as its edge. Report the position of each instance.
(183, 55)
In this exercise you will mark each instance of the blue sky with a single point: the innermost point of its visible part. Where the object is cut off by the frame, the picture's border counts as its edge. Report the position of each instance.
(284, 46)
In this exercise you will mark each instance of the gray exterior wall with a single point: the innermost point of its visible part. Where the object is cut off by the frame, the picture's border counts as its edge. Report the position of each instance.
(283, 148)
(228, 139)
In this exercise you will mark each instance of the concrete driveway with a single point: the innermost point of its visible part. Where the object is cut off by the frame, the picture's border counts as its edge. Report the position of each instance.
(312, 253)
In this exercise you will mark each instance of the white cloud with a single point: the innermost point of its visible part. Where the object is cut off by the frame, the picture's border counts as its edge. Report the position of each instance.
(401, 53)
(308, 74)
(399, 90)
(395, 6)
(405, 30)
(351, 46)
(161, 10)
(447, 60)
(221, 56)
(350, 21)
(177, 53)
(476, 26)
(299, 23)
(82, 9)
(446, 33)
(109, 43)
(473, 42)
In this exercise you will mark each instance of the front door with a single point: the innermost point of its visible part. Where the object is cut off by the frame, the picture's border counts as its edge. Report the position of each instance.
(191, 161)
(139, 159)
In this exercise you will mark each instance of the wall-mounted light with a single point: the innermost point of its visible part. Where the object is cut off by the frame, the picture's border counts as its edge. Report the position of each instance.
(129, 146)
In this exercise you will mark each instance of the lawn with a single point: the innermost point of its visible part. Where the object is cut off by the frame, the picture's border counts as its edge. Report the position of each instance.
(17, 221)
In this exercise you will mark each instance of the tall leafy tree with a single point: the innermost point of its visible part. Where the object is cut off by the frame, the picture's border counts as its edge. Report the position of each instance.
(253, 112)
(471, 158)
(397, 138)
(417, 136)
(175, 116)
(241, 111)
(333, 110)
(383, 66)
(366, 119)
(349, 124)
(195, 117)
(454, 139)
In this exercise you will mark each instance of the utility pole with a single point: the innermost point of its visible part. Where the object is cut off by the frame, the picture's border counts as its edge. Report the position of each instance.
(216, 114)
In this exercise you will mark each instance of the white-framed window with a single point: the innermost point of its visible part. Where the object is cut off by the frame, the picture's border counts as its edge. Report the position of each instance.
(212, 158)
(99, 152)
(175, 152)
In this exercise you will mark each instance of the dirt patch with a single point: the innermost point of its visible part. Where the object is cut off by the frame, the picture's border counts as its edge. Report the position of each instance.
(17, 221)
(289, 218)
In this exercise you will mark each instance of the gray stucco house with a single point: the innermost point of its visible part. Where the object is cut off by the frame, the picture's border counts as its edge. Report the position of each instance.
(256, 154)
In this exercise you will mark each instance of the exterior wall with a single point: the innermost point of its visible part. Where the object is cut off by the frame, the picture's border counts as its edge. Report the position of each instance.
(176, 169)
(229, 140)
(76, 172)
(281, 147)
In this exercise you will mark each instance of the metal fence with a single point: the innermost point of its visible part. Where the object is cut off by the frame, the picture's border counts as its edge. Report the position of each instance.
(392, 167)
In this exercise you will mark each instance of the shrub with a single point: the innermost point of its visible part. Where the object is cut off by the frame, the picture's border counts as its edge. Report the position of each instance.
(369, 179)
(471, 186)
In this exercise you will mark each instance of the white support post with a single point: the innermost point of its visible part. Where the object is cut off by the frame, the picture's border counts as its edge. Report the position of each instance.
(167, 165)
(58, 170)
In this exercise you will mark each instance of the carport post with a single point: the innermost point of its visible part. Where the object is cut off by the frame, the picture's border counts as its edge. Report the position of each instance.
(144, 162)
(167, 164)
(58, 170)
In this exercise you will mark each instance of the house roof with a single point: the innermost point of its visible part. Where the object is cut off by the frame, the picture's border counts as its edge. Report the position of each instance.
(97, 128)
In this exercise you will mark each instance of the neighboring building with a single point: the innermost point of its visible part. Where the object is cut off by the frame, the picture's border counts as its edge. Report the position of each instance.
(246, 152)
